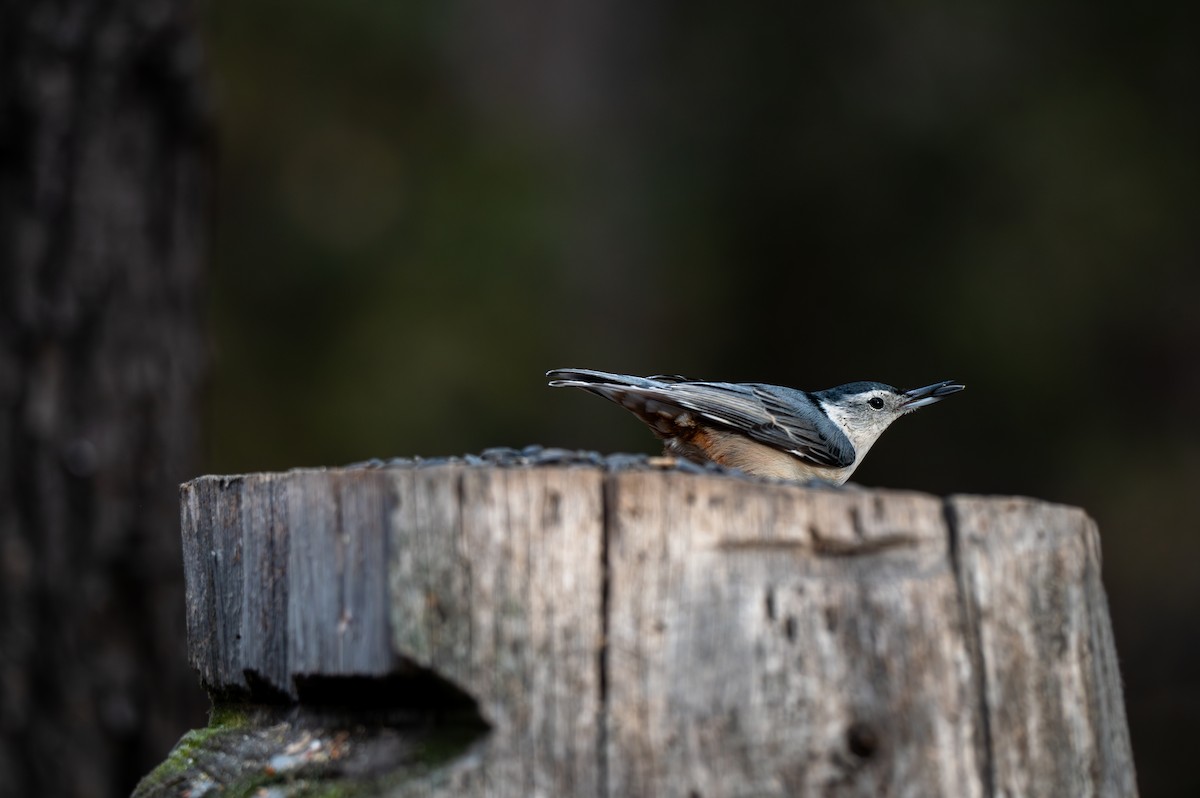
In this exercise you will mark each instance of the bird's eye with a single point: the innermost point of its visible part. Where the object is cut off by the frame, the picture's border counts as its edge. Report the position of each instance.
(875, 402)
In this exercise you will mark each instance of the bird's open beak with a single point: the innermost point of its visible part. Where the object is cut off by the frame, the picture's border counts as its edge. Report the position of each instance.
(919, 397)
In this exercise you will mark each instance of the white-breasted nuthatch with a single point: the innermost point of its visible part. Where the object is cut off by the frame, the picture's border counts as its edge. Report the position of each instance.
(765, 430)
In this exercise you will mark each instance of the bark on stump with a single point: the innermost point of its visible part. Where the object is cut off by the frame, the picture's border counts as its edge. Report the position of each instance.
(649, 633)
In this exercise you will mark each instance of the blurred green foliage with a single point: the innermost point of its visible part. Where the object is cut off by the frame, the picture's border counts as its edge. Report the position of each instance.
(425, 205)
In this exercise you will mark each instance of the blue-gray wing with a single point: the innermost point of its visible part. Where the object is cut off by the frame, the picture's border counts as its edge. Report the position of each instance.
(783, 418)
(779, 417)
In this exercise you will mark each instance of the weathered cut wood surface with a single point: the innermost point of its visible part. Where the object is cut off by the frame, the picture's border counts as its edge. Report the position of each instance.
(657, 633)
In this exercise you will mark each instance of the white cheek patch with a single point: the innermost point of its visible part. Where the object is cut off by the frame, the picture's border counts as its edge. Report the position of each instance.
(839, 417)
(863, 436)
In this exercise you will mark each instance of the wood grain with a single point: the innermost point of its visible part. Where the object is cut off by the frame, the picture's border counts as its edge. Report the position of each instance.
(656, 633)
(1046, 662)
(785, 642)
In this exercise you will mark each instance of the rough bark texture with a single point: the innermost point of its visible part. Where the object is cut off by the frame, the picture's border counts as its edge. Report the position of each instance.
(102, 229)
(646, 633)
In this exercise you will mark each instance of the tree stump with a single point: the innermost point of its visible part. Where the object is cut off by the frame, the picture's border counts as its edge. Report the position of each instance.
(583, 631)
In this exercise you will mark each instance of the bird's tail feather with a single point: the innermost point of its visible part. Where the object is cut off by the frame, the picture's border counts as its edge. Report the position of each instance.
(651, 399)
(584, 378)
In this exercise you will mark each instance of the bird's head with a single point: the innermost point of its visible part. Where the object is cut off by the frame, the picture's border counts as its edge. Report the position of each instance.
(863, 410)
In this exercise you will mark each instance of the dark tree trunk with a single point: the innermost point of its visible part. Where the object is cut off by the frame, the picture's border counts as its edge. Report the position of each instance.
(103, 221)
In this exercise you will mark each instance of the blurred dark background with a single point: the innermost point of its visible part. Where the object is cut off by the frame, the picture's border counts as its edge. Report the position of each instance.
(424, 206)
(420, 207)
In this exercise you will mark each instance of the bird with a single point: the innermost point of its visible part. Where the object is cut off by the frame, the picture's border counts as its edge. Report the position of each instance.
(762, 430)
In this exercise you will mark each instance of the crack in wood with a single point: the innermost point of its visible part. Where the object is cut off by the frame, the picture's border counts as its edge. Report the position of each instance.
(608, 517)
(822, 547)
(973, 638)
